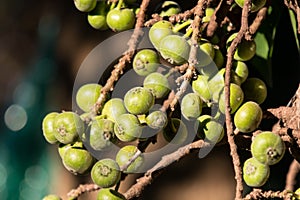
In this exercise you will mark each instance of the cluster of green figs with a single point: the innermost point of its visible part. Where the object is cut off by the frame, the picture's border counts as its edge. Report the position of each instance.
(122, 121)
(118, 16)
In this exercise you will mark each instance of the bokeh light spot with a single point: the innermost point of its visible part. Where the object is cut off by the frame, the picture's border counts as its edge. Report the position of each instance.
(26, 192)
(15, 117)
(36, 177)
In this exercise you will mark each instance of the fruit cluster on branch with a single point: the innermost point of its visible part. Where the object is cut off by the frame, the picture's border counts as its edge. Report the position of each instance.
(197, 67)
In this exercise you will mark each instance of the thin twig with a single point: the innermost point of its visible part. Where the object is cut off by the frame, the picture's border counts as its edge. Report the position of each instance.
(83, 188)
(168, 101)
(218, 16)
(260, 16)
(136, 189)
(294, 5)
(298, 14)
(229, 125)
(289, 4)
(181, 68)
(155, 18)
(182, 16)
(186, 82)
(131, 160)
(175, 156)
(259, 194)
(192, 60)
(118, 69)
(173, 19)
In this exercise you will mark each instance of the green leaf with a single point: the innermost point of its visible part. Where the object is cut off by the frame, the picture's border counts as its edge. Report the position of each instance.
(262, 46)
(264, 39)
(294, 26)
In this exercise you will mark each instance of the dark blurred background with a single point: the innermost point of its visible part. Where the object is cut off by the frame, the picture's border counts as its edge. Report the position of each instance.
(42, 44)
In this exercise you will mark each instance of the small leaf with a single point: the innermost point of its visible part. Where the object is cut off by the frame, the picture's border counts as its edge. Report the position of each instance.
(262, 46)
(294, 26)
